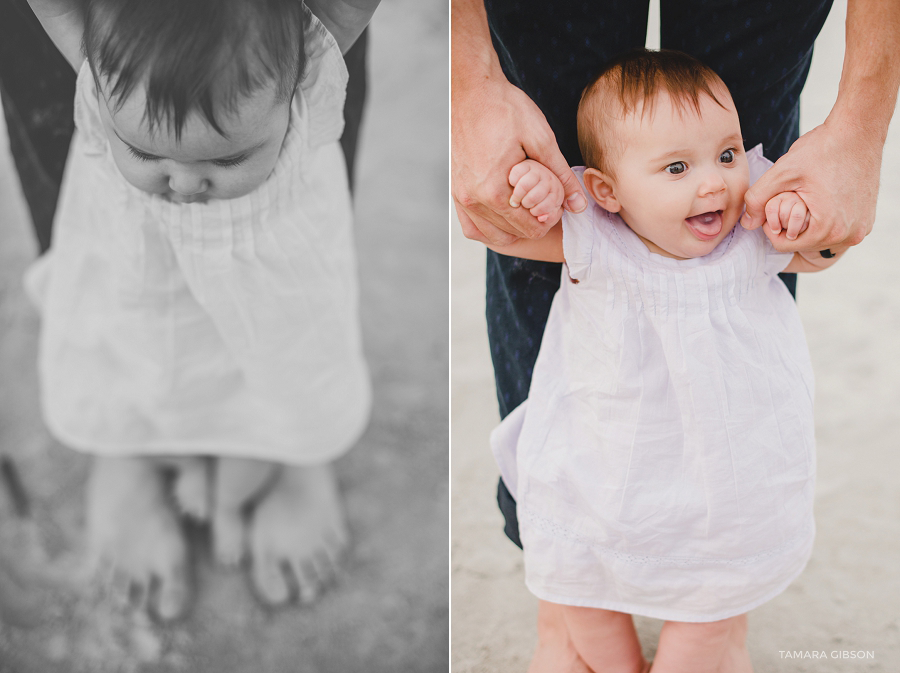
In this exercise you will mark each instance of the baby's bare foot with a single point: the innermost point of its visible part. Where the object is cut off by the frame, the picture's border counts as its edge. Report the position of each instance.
(132, 527)
(297, 535)
(191, 488)
(238, 482)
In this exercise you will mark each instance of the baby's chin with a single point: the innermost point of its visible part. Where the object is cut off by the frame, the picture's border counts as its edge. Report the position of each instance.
(181, 198)
(701, 247)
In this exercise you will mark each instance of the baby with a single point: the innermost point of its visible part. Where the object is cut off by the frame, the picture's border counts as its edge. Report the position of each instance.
(199, 301)
(664, 463)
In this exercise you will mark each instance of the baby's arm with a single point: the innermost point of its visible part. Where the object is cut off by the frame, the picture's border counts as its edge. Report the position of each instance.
(344, 19)
(788, 216)
(64, 22)
(537, 189)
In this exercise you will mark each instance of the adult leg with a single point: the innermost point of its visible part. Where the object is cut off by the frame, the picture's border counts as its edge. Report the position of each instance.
(762, 50)
(709, 647)
(356, 61)
(550, 51)
(37, 86)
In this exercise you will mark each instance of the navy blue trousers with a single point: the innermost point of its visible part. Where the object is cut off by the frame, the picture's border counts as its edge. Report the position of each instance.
(762, 49)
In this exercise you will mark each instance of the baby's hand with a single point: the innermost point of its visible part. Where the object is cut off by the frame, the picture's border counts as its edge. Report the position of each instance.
(536, 188)
(787, 212)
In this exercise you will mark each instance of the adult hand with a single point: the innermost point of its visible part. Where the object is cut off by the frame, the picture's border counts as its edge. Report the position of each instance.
(495, 126)
(835, 170)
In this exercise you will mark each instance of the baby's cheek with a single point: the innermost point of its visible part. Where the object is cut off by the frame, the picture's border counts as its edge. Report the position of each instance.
(234, 183)
(146, 178)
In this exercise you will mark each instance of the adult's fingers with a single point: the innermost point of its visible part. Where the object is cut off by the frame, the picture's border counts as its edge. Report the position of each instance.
(479, 229)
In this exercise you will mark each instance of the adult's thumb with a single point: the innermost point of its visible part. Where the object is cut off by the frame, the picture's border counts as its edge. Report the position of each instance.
(755, 202)
(575, 200)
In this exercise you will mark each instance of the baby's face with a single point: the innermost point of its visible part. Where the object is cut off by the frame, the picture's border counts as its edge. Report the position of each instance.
(203, 164)
(681, 179)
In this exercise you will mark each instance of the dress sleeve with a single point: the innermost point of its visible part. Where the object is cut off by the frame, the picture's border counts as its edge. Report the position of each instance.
(87, 112)
(775, 262)
(324, 84)
(579, 237)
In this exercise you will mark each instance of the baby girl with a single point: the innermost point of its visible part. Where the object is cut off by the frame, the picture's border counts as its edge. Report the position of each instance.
(199, 301)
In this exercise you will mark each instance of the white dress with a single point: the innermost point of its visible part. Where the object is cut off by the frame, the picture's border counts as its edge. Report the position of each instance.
(228, 328)
(664, 461)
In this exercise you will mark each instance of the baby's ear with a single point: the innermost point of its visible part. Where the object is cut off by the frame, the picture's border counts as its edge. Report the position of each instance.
(601, 187)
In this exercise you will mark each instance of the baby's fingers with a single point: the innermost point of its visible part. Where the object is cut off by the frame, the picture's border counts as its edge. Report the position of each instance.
(797, 220)
(550, 209)
(523, 179)
(773, 213)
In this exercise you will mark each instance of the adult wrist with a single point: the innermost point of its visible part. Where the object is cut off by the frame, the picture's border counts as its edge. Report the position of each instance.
(863, 131)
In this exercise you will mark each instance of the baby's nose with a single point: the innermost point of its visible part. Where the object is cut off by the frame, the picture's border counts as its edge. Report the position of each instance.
(187, 184)
(712, 183)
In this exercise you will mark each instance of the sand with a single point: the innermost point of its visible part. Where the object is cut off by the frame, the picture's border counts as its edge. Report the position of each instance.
(389, 611)
(846, 600)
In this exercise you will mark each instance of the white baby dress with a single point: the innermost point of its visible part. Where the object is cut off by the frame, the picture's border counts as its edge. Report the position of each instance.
(664, 461)
(228, 328)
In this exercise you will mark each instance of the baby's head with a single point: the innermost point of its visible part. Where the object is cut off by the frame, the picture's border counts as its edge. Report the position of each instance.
(662, 147)
(195, 94)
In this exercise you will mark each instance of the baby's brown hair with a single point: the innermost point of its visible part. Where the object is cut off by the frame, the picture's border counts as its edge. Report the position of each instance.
(634, 79)
(194, 54)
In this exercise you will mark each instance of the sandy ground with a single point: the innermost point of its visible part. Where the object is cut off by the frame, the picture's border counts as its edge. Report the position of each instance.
(846, 600)
(390, 610)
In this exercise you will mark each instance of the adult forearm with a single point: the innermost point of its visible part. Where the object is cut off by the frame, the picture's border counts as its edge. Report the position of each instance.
(345, 19)
(870, 78)
(472, 54)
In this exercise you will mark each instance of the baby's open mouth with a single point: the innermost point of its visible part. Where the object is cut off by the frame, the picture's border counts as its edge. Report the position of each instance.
(706, 226)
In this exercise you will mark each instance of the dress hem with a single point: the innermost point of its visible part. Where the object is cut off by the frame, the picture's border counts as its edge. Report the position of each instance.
(665, 614)
(195, 448)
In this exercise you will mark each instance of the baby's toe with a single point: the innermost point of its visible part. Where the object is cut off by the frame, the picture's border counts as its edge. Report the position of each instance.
(308, 581)
(270, 581)
(326, 567)
(169, 597)
(192, 493)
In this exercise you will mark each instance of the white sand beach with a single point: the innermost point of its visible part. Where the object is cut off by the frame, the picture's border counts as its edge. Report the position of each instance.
(845, 603)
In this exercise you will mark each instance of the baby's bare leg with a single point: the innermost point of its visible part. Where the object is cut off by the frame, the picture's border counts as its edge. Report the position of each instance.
(238, 482)
(555, 652)
(192, 491)
(132, 526)
(605, 640)
(297, 534)
(707, 647)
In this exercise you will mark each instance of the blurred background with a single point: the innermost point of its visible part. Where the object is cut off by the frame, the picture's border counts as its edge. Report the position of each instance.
(846, 598)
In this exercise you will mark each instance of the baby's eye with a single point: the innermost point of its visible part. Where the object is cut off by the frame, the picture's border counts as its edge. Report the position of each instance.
(141, 156)
(727, 156)
(677, 168)
(228, 163)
